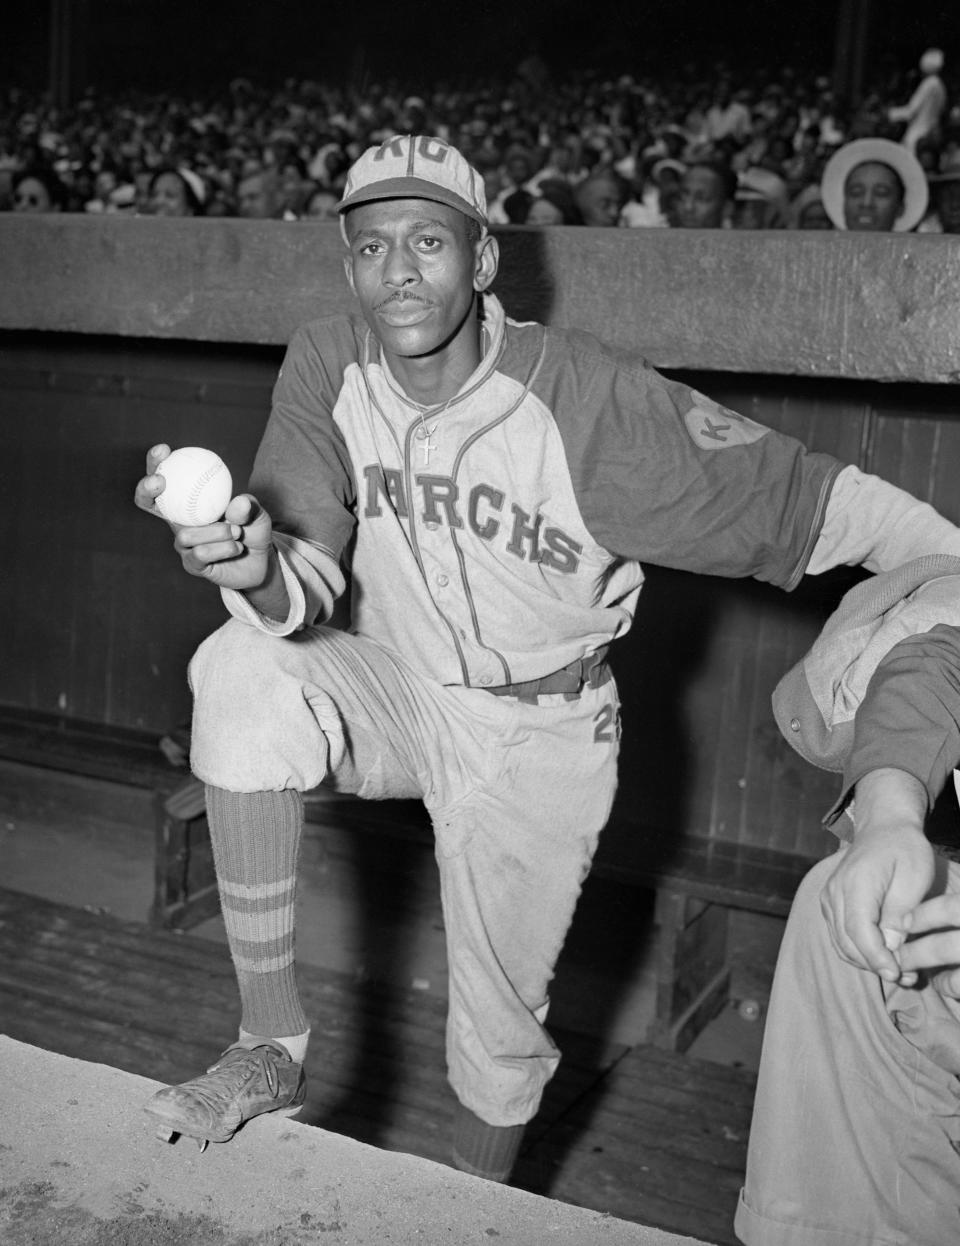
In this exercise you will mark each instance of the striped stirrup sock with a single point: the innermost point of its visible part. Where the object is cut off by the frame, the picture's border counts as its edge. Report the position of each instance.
(484, 1150)
(256, 847)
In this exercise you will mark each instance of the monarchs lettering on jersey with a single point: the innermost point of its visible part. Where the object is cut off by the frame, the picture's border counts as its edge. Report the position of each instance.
(484, 510)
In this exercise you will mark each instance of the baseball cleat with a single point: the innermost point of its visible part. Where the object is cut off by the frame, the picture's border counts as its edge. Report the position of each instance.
(252, 1077)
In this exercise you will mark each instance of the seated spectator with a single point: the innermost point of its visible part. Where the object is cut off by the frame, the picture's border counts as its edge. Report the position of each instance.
(945, 190)
(111, 193)
(706, 196)
(292, 184)
(807, 210)
(516, 206)
(38, 190)
(259, 197)
(760, 200)
(654, 205)
(176, 192)
(515, 174)
(728, 116)
(554, 204)
(320, 204)
(600, 198)
(874, 184)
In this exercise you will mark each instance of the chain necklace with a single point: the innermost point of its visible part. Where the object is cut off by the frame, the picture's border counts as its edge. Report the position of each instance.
(424, 434)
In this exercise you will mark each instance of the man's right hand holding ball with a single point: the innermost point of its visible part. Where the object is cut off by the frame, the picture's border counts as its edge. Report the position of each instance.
(235, 552)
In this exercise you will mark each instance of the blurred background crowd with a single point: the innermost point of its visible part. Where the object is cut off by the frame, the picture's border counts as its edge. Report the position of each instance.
(717, 149)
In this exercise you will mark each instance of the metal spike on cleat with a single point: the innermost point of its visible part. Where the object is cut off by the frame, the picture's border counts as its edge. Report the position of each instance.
(164, 1133)
(203, 1143)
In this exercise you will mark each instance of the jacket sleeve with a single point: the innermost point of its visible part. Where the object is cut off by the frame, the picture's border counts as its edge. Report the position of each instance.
(664, 474)
(909, 718)
(303, 477)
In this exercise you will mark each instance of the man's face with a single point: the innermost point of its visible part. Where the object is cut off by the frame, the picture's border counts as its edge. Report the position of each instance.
(750, 214)
(701, 202)
(815, 216)
(169, 197)
(518, 170)
(948, 206)
(322, 206)
(872, 197)
(31, 196)
(599, 202)
(415, 270)
(543, 212)
(256, 198)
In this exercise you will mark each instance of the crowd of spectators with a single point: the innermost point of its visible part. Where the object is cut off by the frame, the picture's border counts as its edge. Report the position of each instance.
(696, 151)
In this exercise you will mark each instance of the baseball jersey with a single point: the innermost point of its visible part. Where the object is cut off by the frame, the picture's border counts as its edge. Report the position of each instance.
(498, 537)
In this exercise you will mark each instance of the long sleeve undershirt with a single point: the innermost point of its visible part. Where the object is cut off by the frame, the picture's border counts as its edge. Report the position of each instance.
(909, 718)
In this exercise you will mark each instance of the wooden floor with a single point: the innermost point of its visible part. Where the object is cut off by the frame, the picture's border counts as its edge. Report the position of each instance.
(645, 1135)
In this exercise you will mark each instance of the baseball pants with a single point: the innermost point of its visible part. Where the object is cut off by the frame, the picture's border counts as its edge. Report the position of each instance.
(856, 1124)
(517, 793)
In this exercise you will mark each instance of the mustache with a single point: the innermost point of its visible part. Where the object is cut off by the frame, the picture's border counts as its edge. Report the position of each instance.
(400, 296)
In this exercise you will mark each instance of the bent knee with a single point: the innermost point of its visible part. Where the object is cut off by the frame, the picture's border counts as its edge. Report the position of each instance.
(235, 657)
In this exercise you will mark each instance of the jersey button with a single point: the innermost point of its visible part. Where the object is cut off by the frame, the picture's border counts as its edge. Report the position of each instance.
(486, 680)
(443, 580)
(431, 526)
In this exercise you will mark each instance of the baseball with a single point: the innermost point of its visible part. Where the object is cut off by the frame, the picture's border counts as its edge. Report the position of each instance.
(892, 938)
(198, 487)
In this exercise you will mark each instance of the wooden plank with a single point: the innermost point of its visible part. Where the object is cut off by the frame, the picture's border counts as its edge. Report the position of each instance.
(644, 1131)
(644, 1187)
(862, 305)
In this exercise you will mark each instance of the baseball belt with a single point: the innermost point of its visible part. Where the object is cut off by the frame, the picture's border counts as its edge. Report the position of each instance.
(591, 671)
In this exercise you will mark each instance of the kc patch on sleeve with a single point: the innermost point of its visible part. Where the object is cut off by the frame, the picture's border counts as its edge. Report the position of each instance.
(713, 427)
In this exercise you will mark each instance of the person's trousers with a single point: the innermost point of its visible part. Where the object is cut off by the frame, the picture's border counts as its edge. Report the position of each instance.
(517, 793)
(856, 1124)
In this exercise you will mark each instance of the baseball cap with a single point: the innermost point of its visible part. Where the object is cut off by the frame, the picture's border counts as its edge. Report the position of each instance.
(416, 166)
(815, 703)
(759, 183)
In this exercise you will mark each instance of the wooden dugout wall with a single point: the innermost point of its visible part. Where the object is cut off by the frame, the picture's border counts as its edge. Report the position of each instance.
(117, 333)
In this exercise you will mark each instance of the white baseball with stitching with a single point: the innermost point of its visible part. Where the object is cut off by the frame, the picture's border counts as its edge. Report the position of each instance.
(198, 487)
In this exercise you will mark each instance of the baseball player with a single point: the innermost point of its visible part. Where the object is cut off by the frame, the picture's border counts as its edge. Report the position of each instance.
(498, 486)
(856, 1121)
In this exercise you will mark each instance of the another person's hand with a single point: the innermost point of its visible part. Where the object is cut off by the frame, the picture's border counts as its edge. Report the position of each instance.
(234, 552)
(886, 872)
(934, 944)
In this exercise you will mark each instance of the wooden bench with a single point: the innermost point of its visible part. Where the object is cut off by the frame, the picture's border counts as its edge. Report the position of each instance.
(138, 781)
(698, 883)
(697, 891)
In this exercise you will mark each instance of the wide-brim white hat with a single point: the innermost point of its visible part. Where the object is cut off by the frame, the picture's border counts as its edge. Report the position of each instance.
(879, 151)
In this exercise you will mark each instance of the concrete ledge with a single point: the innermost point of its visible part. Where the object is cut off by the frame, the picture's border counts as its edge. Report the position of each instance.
(815, 303)
(80, 1166)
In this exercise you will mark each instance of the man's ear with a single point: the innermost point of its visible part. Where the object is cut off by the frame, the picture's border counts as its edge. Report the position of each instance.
(348, 269)
(488, 261)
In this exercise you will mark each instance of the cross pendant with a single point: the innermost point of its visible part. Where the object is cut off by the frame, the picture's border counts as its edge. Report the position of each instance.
(427, 446)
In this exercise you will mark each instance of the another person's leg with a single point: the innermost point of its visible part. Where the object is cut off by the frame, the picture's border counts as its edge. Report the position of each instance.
(856, 1125)
(513, 856)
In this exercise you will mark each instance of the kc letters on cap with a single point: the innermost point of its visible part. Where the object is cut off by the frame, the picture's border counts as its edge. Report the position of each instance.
(416, 166)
